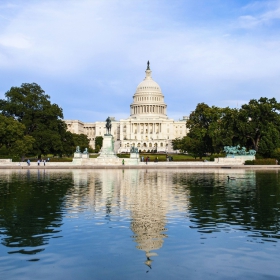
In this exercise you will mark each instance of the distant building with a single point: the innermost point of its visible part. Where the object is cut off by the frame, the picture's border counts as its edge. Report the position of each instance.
(148, 127)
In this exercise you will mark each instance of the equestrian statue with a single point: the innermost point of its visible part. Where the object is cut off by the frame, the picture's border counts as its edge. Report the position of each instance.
(108, 126)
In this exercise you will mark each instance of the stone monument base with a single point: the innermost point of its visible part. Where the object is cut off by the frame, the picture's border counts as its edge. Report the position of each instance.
(77, 155)
(107, 156)
(234, 159)
(133, 160)
(107, 150)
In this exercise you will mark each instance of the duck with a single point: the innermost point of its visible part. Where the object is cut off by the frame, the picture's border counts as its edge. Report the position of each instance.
(231, 178)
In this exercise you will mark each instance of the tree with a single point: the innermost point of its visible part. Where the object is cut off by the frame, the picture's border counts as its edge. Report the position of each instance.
(269, 142)
(98, 143)
(69, 146)
(204, 126)
(256, 125)
(12, 137)
(229, 133)
(81, 140)
(42, 120)
(177, 144)
(258, 122)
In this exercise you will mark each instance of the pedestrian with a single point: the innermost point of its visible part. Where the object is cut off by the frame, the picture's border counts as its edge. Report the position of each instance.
(146, 160)
(48, 159)
(123, 162)
(38, 162)
(44, 162)
(142, 159)
(28, 162)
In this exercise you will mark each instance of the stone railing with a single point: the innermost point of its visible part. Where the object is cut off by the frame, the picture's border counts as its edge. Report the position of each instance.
(5, 160)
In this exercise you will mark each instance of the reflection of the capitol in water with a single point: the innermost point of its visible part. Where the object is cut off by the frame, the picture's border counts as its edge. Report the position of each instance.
(147, 196)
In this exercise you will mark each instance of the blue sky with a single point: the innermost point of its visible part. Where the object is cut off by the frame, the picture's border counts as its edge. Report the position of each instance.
(90, 55)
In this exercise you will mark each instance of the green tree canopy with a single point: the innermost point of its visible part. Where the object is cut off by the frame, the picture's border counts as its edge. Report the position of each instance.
(259, 119)
(81, 140)
(42, 120)
(256, 125)
(12, 137)
(98, 143)
(204, 126)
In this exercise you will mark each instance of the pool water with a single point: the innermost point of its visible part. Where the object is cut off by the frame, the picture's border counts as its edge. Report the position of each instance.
(139, 224)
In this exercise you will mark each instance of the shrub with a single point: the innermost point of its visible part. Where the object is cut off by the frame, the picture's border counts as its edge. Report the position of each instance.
(61, 159)
(263, 161)
(123, 155)
(249, 162)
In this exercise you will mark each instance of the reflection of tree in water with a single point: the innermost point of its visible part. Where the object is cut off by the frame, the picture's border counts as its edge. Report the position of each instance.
(249, 201)
(266, 205)
(30, 208)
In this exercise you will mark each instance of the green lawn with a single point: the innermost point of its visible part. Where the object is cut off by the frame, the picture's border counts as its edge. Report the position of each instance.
(162, 157)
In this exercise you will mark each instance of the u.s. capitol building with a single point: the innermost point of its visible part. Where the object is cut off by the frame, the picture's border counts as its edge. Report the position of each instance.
(147, 128)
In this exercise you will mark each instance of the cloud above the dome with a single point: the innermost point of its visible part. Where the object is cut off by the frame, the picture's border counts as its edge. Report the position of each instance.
(89, 56)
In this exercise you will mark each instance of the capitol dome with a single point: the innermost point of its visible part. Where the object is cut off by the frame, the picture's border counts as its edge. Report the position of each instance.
(148, 84)
(148, 100)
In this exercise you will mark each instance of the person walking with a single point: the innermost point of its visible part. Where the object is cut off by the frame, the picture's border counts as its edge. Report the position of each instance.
(38, 162)
(44, 162)
(123, 162)
(28, 162)
(146, 160)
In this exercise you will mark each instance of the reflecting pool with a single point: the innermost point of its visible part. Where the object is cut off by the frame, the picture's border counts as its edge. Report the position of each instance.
(135, 224)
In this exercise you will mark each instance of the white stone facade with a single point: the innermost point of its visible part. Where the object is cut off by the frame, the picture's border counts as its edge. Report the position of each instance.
(148, 127)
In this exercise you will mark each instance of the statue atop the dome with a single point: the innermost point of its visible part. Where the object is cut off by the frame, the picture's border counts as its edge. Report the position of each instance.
(148, 65)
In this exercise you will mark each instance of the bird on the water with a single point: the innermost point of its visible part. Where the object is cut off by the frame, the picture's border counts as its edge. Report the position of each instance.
(231, 178)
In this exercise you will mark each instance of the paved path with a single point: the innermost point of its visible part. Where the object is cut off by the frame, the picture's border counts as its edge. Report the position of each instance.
(150, 165)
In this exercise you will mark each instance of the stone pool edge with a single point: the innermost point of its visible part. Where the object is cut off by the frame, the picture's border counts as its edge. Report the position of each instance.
(169, 165)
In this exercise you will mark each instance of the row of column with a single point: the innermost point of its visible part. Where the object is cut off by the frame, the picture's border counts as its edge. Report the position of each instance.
(156, 127)
(149, 109)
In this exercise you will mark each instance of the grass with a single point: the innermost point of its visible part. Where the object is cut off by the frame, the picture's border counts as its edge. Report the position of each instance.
(162, 157)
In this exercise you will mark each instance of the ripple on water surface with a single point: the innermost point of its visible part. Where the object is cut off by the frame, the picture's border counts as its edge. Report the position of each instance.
(126, 223)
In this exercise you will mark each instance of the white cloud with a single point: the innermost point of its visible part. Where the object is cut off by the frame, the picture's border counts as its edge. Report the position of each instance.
(101, 47)
(261, 14)
(17, 41)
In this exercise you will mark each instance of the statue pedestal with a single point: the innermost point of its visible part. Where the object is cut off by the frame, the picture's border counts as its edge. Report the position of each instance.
(85, 155)
(77, 155)
(235, 160)
(107, 150)
(134, 155)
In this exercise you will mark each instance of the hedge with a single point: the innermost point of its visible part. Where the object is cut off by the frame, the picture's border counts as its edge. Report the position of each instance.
(263, 161)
